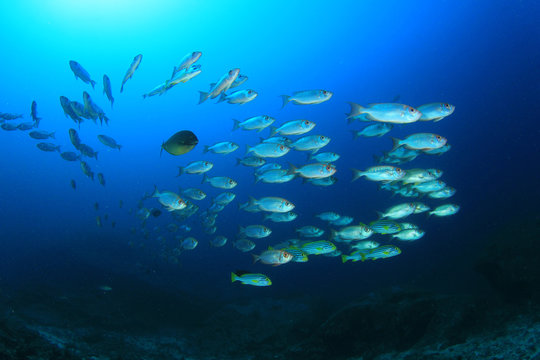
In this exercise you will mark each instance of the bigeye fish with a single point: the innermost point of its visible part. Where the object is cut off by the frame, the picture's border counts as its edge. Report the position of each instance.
(183, 76)
(379, 173)
(24, 126)
(107, 90)
(258, 123)
(325, 157)
(365, 245)
(9, 127)
(273, 257)
(409, 235)
(224, 148)
(251, 279)
(41, 135)
(268, 150)
(328, 216)
(68, 111)
(86, 170)
(195, 167)
(294, 127)
(311, 143)
(350, 233)
(33, 113)
(129, 73)
(276, 176)
(270, 204)
(91, 108)
(81, 73)
(268, 166)
(254, 231)
(297, 254)
(48, 147)
(218, 241)
(189, 243)
(445, 210)
(74, 138)
(418, 176)
(251, 161)
(70, 156)
(443, 193)
(186, 62)
(309, 231)
(386, 112)
(194, 193)
(438, 151)
(313, 171)
(7, 116)
(420, 141)
(435, 111)
(180, 143)
(420, 208)
(87, 151)
(101, 179)
(109, 141)
(221, 182)
(238, 97)
(224, 198)
(307, 97)
(327, 181)
(319, 247)
(244, 245)
(240, 79)
(342, 221)
(398, 211)
(170, 200)
(79, 110)
(158, 90)
(407, 226)
(428, 186)
(277, 140)
(221, 86)
(378, 129)
(281, 217)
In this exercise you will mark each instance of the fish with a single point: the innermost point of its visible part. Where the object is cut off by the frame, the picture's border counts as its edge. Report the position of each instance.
(225, 147)
(169, 200)
(81, 73)
(251, 279)
(33, 113)
(445, 210)
(87, 151)
(443, 193)
(193, 193)
(240, 79)
(428, 186)
(186, 62)
(398, 211)
(420, 207)
(268, 166)
(91, 108)
(41, 135)
(98, 221)
(251, 161)
(379, 173)
(420, 141)
(68, 111)
(158, 90)
(365, 245)
(73, 184)
(318, 247)
(385, 227)
(195, 167)
(276, 176)
(435, 111)
(86, 170)
(297, 254)
(189, 243)
(350, 233)
(407, 226)
(309, 231)
(307, 97)
(180, 143)
(74, 138)
(418, 176)
(383, 252)
(96, 206)
(438, 151)
(258, 123)
(134, 65)
(328, 216)
(311, 143)
(282, 140)
(270, 204)
(218, 241)
(281, 217)
(268, 150)
(48, 147)
(325, 157)
(409, 234)
(79, 110)
(244, 245)
(183, 76)
(342, 221)
(313, 171)
(327, 181)
(254, 231)
(101, 179)
(7, 116)
(385, 112)
(373, 130)
(221, 182)
(24, 126)
(109, 141)
(107, 90)
(238, 97)
(273, 257)
(293, 127)
(70, 156)
(221, 86)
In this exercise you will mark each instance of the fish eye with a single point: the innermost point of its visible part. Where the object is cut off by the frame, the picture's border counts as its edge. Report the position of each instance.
(412, 110)
(328, 167)
(447, 106)
(281, 147)
(322, 137)
(439, 137)
(398, 170)
(306, 122)
(287, 203)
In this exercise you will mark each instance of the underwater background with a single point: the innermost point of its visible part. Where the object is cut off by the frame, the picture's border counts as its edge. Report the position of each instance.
(70, 289)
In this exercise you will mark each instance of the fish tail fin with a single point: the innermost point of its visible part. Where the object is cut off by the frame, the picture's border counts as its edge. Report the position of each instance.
(255, 258)
(377, 159)
(273, 131)
(236, 125)
(203, 96)
(395, 143)
(144, 96)
(204, 179)
(344, 258)
(333, 234)
(52, 135)
(92, 82)
(173, 72)
(356, 109)
(161, 151)
(58, 148)
(112, 103)
(248, 149)
(292, 169)
(234, 277)
(355, 134)
(309, 157)
(222, 97)
(96, 155)
(238, 161)
(122, 87)
(241, 230)
(380, 215)
(155, 192)
(285, 99)
(180, 171)
(257, 177)
(357, 174)
(206, 149)
(120, 147)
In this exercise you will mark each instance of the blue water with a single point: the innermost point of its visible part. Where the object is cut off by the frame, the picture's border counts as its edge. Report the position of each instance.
(481, 57)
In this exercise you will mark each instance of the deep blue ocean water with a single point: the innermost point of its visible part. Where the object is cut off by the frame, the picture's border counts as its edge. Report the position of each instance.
(481, 57)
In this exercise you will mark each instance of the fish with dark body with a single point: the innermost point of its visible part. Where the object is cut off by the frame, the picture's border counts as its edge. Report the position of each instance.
(134, 65)
(81, 73)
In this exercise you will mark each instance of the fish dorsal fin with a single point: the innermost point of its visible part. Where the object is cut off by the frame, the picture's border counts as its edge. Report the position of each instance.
(241, 272)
